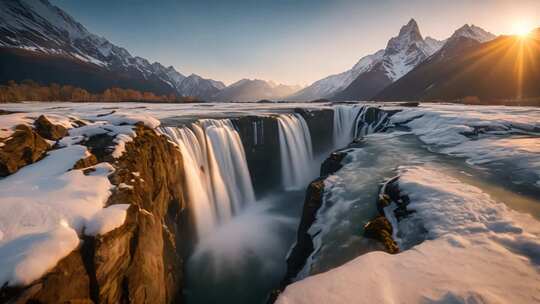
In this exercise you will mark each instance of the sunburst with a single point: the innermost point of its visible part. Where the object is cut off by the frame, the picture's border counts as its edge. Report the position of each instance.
(521, 29)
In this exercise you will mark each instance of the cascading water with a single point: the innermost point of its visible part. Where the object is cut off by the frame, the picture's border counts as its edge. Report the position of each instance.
(217, 175)
(296, 151)
(351, 121)
(345, 124)
(367, 125)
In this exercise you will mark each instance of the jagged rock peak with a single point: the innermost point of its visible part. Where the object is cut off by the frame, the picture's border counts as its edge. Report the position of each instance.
(408, 34)
(411, 29)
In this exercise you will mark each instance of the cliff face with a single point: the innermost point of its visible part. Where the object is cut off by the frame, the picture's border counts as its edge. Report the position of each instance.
(142, 260)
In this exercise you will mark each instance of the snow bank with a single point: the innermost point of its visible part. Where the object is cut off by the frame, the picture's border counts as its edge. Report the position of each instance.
(44, 206)
(446, 125)
(125, 118)
(482, 134)
(30, 256)
(477, 251)
(107, 219)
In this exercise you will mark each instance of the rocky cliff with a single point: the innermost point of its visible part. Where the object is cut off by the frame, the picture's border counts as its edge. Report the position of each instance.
(141, 261)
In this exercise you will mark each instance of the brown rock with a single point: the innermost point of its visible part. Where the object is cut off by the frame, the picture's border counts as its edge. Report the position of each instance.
(48, 130)
(24, 147)
(86, 162)
(380, 229)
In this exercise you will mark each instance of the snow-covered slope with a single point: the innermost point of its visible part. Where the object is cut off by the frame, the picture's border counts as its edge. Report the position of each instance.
(195, 85)
(473, 32)
(326, 87)
(402, 53)
(254, 90)
(39, 26)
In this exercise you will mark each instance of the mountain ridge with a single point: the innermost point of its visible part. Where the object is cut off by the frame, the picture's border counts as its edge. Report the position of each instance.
(40, 27)
(467, 68)
(380, 64)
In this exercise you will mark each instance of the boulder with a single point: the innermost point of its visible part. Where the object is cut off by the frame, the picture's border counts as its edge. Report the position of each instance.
(380, 229)
(333, 163)
(86, 162)
(48, 130)
(24, 147)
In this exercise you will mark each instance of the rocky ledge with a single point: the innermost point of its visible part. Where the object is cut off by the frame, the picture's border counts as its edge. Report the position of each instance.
(141, 261)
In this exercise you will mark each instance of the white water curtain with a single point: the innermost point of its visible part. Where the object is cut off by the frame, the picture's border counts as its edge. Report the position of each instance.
(217, 176)
(296, 151)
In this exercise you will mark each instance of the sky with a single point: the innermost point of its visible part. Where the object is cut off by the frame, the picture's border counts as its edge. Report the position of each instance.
(287, 41)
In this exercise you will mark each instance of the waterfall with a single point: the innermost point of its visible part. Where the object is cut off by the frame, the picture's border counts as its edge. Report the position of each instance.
(217, 177)
(345, 122)
(366, 125)
(353, 121)
(296, 151)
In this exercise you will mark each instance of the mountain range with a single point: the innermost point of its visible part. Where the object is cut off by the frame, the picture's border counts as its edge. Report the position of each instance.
(503, 68)
(41, 42)
(375, 72)
(255, 89)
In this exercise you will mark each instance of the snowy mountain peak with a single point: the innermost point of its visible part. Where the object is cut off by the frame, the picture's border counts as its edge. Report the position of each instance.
(407, 50)
(409, 34)
(473, 32)
(411, 29)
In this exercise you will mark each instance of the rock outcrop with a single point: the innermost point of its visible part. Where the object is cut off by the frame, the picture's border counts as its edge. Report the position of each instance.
(48, 130)
(22, 148)
(138, 262)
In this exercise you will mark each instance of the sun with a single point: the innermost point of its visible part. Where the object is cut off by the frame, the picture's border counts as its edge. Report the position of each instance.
(521, 29)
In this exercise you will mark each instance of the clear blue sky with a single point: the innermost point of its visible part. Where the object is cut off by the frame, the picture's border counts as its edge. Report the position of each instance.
(288, 41)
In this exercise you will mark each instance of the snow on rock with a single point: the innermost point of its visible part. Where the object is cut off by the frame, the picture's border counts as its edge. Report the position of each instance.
(124, 118)
(40, 199)
(107, 219)
(30, 256)
(477, 251)
(10, 121)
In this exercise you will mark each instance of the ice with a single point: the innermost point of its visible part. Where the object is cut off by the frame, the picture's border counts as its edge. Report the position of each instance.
(477, 251)
(482, 134)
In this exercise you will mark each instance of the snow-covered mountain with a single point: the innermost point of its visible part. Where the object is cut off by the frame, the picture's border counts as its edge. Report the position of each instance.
(449, 74)
(246, 90)
(402, 53)
(195, 85)
(42, 28)
(473, 32)
(328, 86)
